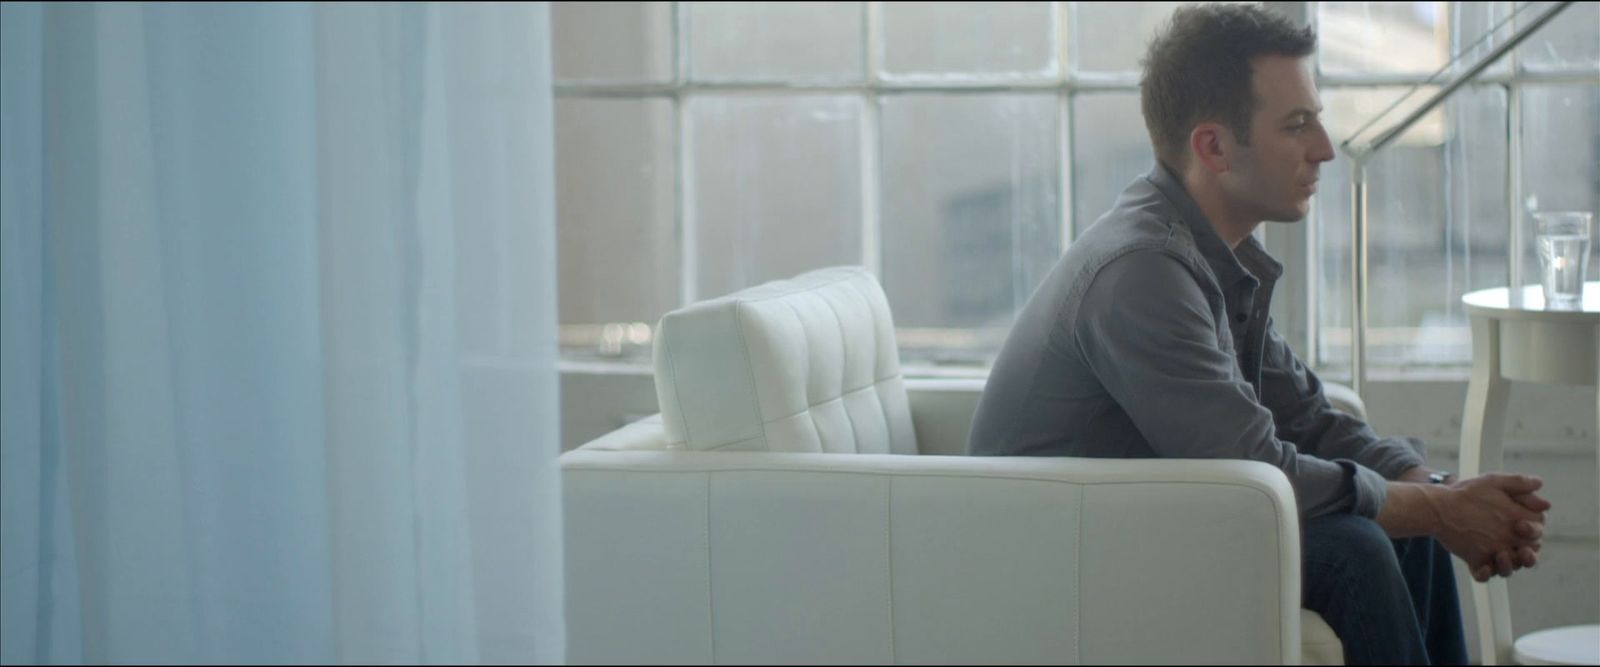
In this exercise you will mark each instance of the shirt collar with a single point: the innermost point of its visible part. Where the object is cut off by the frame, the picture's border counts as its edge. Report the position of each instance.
(1248, 261)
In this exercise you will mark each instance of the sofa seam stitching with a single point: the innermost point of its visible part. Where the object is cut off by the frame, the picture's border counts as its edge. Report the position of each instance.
(838, 323)
(590, 467)
(791, 415)
(677, 395)
(711, 598)
(819, 404)
(727, 444)
(878, 340)
(805, 338)
(888, 533)
(1077, 574)
(750, 370)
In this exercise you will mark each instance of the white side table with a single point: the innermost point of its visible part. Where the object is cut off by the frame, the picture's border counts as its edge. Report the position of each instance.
(1518, 340)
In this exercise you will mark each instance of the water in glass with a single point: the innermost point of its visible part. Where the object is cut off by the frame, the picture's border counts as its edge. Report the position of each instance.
(1563, 240)
(1563, 258)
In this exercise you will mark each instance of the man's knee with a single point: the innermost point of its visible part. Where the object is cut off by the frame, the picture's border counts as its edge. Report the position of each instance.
(1354, 545)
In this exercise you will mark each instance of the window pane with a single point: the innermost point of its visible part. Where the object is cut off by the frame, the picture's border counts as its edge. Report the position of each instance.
(1366, 37)
(775, 41)
(1570, 41)
(971, 217)
(615, 208)
(1110, 148)
(776, 187)
(1330, 229)
(612, 41)
(1561, 159)
(1470, 21)
(1112, 36)
(944, 40)
(1436, 225)
(1350, 109)
(1479, 214)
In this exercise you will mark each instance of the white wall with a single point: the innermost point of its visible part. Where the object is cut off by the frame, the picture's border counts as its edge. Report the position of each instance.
(1550, 432)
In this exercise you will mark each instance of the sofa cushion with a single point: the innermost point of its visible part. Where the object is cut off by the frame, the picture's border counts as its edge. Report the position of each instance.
(1318, 644)
(807, 364)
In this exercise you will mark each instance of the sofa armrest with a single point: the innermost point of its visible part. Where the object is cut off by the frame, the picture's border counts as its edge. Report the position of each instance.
(645, 434)
(680, 556)
(942, 411)
(1345, 400)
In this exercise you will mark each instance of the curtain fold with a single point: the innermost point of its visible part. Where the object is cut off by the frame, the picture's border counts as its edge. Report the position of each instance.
(279, 334)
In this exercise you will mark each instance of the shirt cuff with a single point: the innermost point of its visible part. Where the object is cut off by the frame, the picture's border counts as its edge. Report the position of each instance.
(1397, 455)
(1369, 488)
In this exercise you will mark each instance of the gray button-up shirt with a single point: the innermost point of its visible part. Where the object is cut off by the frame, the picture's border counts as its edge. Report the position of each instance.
(1151, 338)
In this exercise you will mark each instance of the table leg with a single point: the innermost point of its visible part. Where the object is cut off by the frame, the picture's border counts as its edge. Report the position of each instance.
(1482, 431)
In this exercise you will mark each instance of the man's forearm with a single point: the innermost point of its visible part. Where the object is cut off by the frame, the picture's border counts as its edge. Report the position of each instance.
(1410, 508)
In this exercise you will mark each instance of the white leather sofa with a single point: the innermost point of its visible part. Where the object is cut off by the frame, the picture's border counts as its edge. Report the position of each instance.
(797, 501)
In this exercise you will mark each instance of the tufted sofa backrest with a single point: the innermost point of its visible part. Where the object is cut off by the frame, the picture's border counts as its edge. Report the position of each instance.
(807, 364)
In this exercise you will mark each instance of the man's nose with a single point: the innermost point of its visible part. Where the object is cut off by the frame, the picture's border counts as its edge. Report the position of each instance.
(1321, 147)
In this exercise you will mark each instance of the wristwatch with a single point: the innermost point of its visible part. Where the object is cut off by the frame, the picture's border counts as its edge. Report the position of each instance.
(1439, 477)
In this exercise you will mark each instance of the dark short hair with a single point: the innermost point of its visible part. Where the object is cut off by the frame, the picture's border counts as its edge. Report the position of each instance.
(1198, 69)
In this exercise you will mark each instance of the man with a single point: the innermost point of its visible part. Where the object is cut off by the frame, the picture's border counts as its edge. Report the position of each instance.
(1151, 338)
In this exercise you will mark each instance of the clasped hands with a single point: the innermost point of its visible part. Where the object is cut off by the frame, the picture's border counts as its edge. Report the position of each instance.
(1493, 522)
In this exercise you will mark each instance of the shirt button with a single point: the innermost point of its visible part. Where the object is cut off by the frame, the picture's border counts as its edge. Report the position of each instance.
(1241, 318)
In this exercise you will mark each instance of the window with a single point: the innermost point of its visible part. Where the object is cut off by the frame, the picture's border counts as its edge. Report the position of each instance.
(1441, 206)
(956, 148)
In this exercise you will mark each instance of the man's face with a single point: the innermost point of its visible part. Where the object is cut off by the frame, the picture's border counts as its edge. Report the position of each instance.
(1274, 177)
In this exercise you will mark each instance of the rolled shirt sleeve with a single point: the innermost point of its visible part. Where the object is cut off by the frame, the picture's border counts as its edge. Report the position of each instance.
(1145, 329)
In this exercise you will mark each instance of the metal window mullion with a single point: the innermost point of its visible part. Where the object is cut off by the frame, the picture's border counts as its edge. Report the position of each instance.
(1063, 28)
(1358, 278)
(1540, 75)
(1126, 82)
(871, 124)
(1313, 248)
(1120, 82)
(1514, 204)
(1294, 245)
(1514, 192)
(1572, 75)
(688, 229)
(1311, 319)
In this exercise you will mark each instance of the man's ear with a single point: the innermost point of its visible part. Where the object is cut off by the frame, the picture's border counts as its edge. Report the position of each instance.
(1206, 145)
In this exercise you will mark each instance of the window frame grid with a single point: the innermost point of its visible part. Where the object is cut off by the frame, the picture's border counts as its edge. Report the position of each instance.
(1511, 80)
(1067, 84)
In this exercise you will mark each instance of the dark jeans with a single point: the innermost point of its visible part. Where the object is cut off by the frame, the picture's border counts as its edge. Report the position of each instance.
(1390, 601)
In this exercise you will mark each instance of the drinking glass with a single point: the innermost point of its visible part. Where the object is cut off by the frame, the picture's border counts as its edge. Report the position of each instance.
(1563, 238)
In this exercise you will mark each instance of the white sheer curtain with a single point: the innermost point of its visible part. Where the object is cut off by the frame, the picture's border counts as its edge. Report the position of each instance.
(279, 334)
